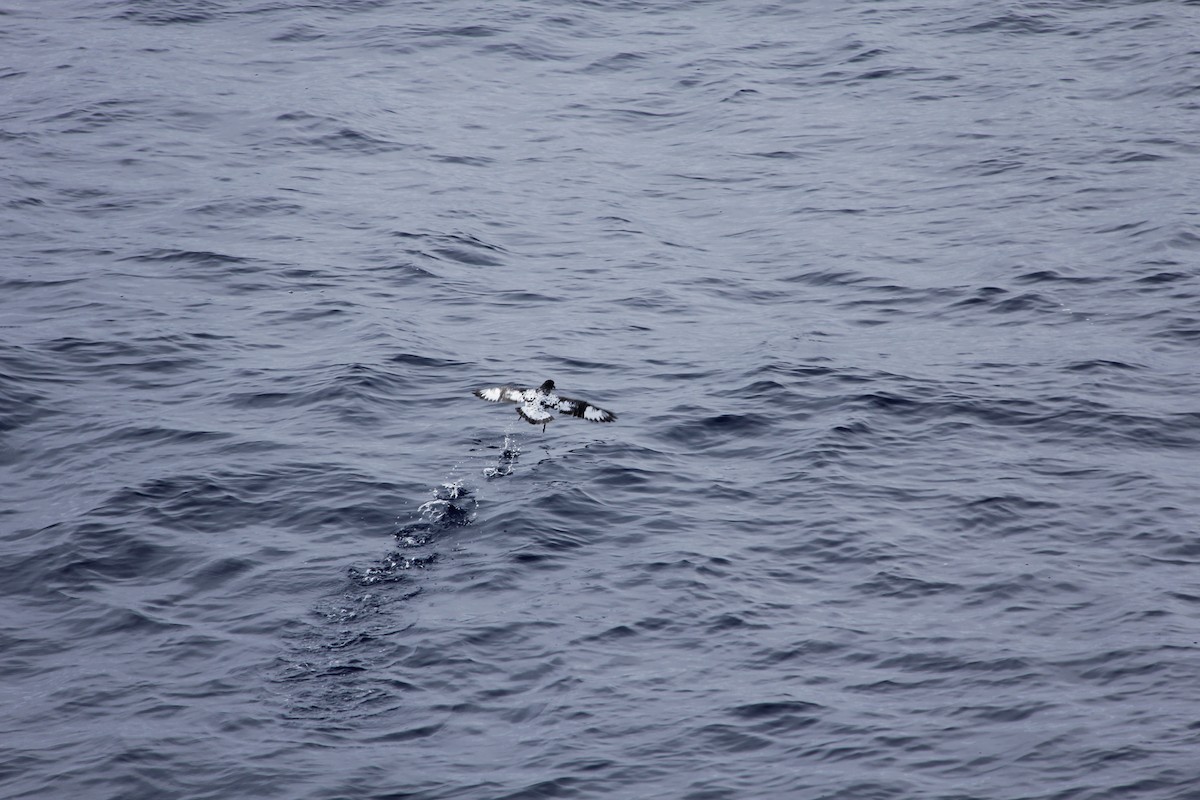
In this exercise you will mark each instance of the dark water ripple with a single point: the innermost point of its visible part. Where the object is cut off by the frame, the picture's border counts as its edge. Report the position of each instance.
(897, 306)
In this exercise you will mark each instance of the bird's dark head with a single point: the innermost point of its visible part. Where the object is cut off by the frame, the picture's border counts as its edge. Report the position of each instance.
(547, 387)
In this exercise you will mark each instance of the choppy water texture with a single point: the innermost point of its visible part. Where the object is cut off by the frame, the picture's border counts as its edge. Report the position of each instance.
(898, 306)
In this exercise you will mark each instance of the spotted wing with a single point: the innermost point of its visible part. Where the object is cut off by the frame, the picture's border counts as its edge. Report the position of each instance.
(533, 413)
(584, 410)
(501, 394)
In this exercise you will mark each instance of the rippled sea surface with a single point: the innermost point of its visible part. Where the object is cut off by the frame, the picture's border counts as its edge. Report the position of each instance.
(898, 305)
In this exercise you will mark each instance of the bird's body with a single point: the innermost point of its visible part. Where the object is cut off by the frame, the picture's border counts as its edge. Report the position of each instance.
(537, 406)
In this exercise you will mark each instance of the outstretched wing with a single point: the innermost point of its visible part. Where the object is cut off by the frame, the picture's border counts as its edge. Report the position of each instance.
(534, 413)
(501, 394)
(584, 410)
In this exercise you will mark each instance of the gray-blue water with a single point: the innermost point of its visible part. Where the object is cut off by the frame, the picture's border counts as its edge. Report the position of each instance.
(898, 305)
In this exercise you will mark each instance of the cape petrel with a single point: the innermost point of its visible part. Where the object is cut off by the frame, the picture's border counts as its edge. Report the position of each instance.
(537, 404)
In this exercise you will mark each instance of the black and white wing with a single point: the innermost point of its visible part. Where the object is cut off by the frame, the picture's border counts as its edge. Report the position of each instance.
(584, 410)
(502, 394)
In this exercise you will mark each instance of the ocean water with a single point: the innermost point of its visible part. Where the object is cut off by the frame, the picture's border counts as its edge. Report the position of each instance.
(898, 305)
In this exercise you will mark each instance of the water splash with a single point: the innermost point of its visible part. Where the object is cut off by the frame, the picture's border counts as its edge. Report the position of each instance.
(508, 458)
(453, 506)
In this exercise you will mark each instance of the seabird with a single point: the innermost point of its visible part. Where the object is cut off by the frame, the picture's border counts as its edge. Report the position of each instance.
(536, 404)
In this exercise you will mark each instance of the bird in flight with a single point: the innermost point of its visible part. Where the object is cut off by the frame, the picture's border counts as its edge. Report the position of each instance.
(537, 406)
